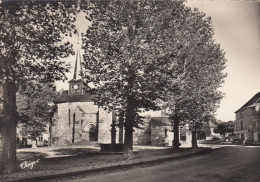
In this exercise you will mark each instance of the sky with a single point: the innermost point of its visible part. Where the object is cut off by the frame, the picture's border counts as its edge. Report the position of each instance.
(237, 30)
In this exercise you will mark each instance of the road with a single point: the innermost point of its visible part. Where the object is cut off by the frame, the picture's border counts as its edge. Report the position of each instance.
(228, 164)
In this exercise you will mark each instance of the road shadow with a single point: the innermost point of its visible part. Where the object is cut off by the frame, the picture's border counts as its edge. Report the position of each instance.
(75, 151)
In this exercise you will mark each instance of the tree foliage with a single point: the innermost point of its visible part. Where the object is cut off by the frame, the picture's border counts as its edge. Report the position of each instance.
(120, 58)
(35, 107)
(31, 47)
(31, 40)
(224, 128)
(193, 96)
(140, 51)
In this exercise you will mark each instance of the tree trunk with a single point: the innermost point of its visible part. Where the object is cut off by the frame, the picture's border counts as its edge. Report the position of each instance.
(194, 139)
(73, 128)
(129, 121)
(8, 121)
(34, 144)
(176, 139)
(50, 132)
(113, 133)
(121, 127)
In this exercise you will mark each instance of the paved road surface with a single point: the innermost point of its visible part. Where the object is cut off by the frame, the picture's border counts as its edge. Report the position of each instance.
(228, 164)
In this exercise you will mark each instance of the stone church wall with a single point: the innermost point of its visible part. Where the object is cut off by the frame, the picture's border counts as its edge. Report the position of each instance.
(85, 115)
(105, 121)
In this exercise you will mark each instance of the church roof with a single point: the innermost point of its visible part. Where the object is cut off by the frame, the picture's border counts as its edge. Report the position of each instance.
(251, 102)
(78, 71)
(75, 81)
(75, 98)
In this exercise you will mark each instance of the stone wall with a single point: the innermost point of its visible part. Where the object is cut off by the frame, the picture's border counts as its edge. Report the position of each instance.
(247, 124)
(105, 121)
(157, 131)
(73, 121)
(161, 131)
(142, 136)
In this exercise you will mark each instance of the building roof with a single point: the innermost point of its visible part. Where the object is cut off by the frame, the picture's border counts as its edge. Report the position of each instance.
(75, 98)
(251, 102)
(75, 81)
(212, 125)
(158, 121)
(78, 71)
(89, 110)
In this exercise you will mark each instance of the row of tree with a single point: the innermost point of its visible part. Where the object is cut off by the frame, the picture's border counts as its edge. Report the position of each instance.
(136, 53)
(139, 52)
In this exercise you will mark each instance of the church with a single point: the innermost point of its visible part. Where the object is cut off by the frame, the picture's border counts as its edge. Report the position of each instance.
(77, 119)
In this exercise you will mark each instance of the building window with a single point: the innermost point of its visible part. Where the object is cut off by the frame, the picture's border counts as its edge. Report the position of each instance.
(78, 90)
(253, 125)
(242, 136)
(237, 115)
(242, 123)
(258, 125)
(40, 139)
(72, 89)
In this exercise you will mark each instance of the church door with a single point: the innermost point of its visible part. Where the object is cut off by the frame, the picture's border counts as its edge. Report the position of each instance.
(92, 133)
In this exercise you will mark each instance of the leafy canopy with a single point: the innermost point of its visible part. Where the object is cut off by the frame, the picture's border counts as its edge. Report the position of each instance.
(31, 40)
(122, 51)
(35, 107)
(225, 127)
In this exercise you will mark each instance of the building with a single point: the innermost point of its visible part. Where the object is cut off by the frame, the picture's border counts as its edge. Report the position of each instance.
(78, 119)
(207, 132)
(158, 131)
(23, 139)
(40, 140)
(247, 123)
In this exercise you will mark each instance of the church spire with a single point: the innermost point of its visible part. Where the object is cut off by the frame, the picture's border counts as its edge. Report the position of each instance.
(76, 84)
(78, 66)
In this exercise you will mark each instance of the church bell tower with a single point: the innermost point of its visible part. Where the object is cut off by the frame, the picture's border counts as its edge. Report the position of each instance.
(76, 84)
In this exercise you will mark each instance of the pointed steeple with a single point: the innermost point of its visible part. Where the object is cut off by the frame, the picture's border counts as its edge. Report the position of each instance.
(76, 84)
(78, 71)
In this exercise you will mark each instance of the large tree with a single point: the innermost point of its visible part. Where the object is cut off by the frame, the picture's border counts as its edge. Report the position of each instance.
(122, 56)
(140, 51)
(197, 68)
(206, 75)
(31, 41)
